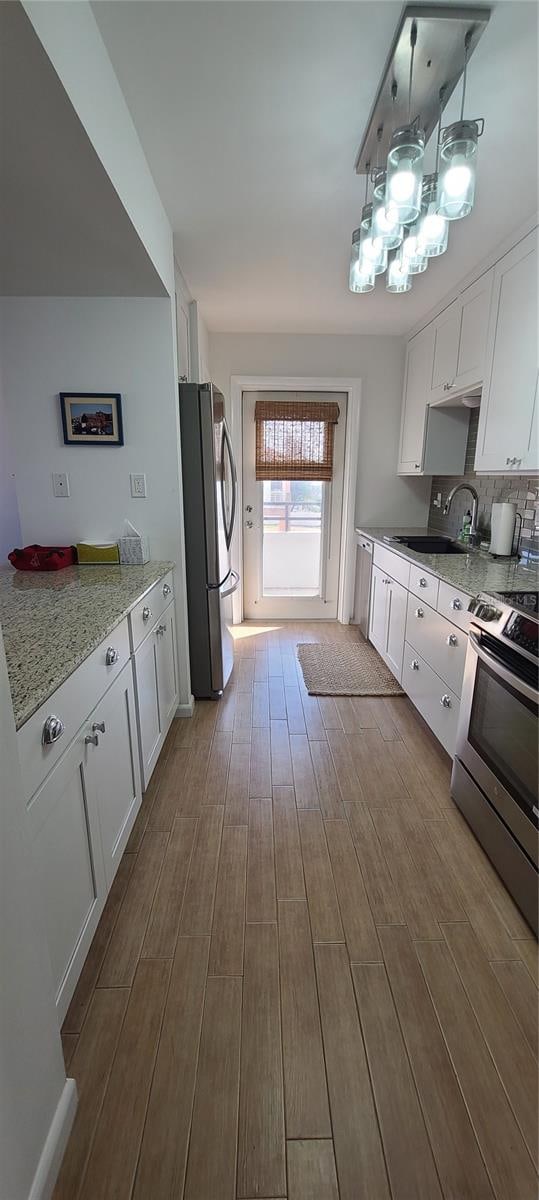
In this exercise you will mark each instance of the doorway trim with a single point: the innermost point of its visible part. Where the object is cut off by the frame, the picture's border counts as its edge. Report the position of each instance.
(290, 383)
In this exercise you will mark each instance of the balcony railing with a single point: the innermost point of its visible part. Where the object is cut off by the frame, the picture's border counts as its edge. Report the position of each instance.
(283, 516)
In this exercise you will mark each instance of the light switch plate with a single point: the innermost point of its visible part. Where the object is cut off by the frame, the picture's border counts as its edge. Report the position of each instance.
(60, 483)
(138, 486)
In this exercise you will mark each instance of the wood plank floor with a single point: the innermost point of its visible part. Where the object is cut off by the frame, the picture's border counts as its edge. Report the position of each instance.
(308, 982)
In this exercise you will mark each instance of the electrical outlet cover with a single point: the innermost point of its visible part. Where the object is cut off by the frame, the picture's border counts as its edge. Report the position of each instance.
(138, 486)
(60, 483)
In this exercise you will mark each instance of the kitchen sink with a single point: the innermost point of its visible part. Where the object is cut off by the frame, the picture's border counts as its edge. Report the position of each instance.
(431, 545)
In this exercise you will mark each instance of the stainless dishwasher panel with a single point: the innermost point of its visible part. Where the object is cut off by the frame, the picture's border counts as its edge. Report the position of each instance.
(362, 593)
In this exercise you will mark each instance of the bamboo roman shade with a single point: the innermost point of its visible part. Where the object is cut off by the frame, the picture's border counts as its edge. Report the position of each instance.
(294, 439)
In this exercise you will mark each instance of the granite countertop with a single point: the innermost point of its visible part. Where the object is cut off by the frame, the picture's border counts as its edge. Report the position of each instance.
(52, 620)
(476, 571)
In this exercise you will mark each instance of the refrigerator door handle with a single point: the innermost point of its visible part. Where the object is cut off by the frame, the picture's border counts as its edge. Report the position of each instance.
(232, 588)
(227, 443)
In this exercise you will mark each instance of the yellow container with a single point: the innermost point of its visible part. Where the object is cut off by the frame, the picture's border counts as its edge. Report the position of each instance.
(89, 553)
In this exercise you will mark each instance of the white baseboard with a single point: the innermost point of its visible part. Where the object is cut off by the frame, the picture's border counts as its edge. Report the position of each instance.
(186, 710)
(55, 1143)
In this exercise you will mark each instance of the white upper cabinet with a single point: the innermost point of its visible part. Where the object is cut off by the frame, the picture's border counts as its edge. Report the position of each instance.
(460, 334)
(414, 403)
(445, 351)
(507, 434)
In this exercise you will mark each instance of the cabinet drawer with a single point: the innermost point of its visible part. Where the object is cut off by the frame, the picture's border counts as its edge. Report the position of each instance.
(71, 702)
(393, 564)
(424, 585)
(442, 644)
(145, 614)
(434, 700)
(453, 604)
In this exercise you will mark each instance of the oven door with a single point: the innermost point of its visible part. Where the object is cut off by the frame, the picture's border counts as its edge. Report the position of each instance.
(498, 731)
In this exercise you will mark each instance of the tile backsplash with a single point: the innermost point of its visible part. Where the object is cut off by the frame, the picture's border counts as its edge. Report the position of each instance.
(524, 492)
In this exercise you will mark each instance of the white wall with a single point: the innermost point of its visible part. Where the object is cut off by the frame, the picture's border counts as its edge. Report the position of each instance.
(33, 1092)
(71, 38)
(10, 529)
(381, 497)
(48, 345)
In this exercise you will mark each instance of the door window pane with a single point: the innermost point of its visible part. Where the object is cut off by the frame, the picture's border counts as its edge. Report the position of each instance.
(292, 537)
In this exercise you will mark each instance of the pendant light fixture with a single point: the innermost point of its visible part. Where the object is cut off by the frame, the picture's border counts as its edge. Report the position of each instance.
(412, 255)
(405, 161)
(398, 276)
(361, 277)
(433, 228)
(458, 153)
(385, 226)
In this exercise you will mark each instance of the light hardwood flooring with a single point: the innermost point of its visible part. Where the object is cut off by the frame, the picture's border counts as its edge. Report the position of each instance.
(308, 981)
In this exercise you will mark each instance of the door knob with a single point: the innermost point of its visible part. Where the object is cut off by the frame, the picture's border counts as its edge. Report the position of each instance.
(415, 664)
(52, 730)
(456, 604)
(445, 701)
(419, 612)
(111, 656)
(422, 582)
(166, 589)
(91, 739)
(452, 640)
(146, 613)
(249, 524)
(98, 727)
(248, 508)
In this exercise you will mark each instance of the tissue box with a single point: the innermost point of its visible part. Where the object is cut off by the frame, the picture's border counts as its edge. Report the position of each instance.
(134, 551)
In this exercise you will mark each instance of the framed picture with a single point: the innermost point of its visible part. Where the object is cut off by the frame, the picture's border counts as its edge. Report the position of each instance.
(92, 418)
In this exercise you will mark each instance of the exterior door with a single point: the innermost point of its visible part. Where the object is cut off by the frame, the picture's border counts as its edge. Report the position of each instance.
(291, 529)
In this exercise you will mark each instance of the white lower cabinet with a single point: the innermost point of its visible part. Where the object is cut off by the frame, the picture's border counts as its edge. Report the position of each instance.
(442, 644)
(157, 689)
(388, 619)
(64, 831)
(114, 764)
(432, 697)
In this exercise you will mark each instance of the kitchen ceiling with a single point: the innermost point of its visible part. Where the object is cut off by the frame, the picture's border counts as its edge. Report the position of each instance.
(250, 115)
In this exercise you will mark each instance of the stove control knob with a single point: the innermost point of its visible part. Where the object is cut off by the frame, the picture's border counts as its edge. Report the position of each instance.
(488, 613)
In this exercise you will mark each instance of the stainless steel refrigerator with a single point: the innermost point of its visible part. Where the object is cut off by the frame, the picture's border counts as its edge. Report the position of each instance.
(209, 501)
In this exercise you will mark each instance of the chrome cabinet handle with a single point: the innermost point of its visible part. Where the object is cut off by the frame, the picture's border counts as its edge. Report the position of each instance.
(146, 613)
(417, 466)
(52, 730)
(98, 727)
(91, 739)
(419, 612)
(448, 386)
(166, 589)
(248, 524)
(445, 701)
(422, 582)
(414, 664)
(161, 629)
(456, 604)
(111, 656)
(452, 640)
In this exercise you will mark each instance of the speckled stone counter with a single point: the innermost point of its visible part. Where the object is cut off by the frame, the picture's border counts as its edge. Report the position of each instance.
(474, 572)
(51, 621)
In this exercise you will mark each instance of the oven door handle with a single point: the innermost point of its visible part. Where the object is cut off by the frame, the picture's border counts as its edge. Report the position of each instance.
(513, 680)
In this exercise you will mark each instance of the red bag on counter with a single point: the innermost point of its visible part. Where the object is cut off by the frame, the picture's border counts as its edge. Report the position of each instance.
(43, 558)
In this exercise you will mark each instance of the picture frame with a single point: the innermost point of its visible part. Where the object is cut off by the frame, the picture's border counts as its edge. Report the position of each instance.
(92, 418)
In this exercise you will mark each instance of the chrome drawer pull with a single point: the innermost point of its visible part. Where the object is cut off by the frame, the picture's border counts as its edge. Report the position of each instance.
(111, 656)
(98, 727)
(452, 640)
(52, 730)
(166, 589)
(422, 582)
(160, 630)
(419, 612)
(91, 739)
(456, 604)
(146, 613)
(414, 664)
(445, 701)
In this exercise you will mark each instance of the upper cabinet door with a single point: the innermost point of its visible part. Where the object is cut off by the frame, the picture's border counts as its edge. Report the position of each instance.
(507, 418)
(414, 404)
(445, 354)
(475, 309)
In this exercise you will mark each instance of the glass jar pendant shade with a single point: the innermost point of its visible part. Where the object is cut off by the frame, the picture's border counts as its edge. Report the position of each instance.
(372, 249)
(413, 256)
(361, 278)
(458, 159)
(405, 174)
(398, 278)
(385, 226)
(433, 228)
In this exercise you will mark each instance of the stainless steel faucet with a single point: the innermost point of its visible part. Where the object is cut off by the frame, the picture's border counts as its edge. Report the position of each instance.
(475, 537)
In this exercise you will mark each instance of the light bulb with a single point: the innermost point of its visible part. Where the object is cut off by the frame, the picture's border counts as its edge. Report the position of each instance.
(402, 186)
(432, 228)
(398, 278)
(385, 225)
(457, 180)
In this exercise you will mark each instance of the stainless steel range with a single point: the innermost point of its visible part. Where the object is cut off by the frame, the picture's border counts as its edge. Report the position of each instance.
(495, 770)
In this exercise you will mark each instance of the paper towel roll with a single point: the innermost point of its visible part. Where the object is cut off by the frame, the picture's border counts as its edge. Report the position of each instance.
(502, 527)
